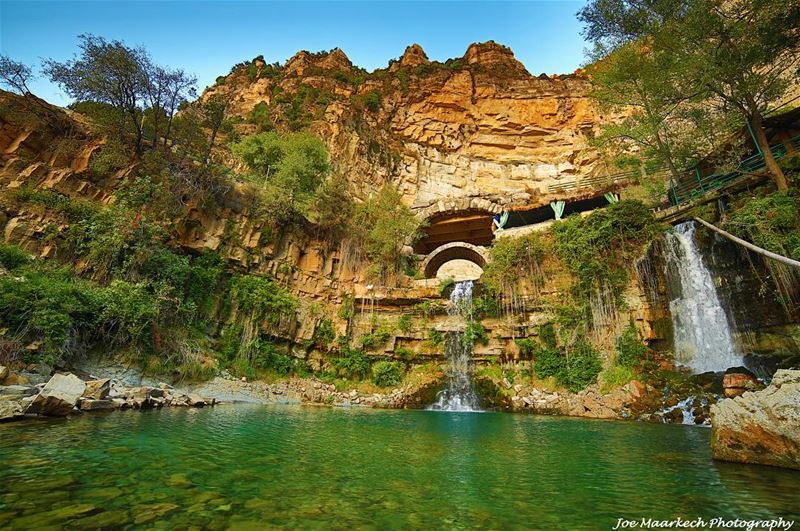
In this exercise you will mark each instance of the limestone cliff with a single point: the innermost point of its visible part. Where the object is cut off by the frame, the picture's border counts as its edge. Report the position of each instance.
(475, 127)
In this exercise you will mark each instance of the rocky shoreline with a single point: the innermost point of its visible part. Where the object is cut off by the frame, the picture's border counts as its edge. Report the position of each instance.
(120, 388)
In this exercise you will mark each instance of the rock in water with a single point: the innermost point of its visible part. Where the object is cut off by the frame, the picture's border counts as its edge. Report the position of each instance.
(737, 380)
(91, 404)
(97, 389)
(760, 427)
(59, 396)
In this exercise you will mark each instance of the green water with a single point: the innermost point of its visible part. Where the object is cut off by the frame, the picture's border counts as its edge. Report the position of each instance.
(256, 467)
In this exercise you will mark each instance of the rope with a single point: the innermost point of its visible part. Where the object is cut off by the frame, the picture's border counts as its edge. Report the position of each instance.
(748, 245)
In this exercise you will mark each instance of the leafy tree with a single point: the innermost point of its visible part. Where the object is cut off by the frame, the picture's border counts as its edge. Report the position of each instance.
(179, 86)
(635, 82)
(733, 55)
(108, 72)
(741, 54)
(290, 168)
(213, 112)
(381, 226)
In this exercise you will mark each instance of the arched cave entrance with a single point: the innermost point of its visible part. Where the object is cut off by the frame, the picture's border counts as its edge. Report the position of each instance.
(453, 251)
(534, 216)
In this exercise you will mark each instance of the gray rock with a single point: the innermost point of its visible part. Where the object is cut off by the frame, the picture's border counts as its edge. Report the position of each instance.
(18, 390)
(760, 427)
(59, 396)
(196, 400)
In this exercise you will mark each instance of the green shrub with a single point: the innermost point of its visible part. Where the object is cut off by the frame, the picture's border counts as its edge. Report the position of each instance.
(475, 333)
(352, 363)
(333, 208)
(12, 257)
(289, 169)
(380, 227)
(261, 298)
(615, 377)
(377, 337)
(515, 259)
(387, 374)
(582, 366)
(261, 117)
(436, 337)
(486, 305)
(324, 334)
(267, 356)
(110, 158)
(404, 323)
(574, 367)
(631, 352)
(405, 355)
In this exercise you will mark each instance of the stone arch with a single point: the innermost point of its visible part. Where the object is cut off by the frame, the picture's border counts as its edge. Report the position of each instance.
(454, 251)
(461, 204)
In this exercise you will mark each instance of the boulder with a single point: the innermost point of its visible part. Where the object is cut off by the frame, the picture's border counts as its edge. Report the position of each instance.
(97, 389)
(3, 372)
(737, 380)
(760, 427)
(59, 396)
(91, 404)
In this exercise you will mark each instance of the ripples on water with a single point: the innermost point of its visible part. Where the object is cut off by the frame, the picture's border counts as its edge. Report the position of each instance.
(258, 467)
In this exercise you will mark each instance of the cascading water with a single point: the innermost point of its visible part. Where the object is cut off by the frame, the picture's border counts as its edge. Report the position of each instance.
(701, 332)
(458, 394)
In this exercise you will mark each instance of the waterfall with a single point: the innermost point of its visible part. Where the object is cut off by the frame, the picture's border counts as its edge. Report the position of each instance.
(458, 394)
(701, 332)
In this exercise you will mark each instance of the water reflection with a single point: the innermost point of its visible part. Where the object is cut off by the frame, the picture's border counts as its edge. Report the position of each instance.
(291, 466)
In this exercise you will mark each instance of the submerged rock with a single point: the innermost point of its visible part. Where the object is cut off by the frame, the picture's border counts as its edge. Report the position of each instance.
(760, 427)
(59, 396)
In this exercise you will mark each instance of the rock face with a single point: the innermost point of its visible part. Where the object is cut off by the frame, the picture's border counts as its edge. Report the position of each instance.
(760, 427)
(475, 126)
(59, 396)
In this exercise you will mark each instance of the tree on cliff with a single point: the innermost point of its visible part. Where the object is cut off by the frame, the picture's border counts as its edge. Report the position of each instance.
(108, 72)
(289, 168)
(16, 76)
(733, 55)
(631, 81)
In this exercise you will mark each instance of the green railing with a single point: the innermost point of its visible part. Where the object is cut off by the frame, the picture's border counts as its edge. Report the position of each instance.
(693, 185)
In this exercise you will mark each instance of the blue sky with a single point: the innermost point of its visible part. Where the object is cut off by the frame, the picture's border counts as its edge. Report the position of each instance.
(207, 38)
